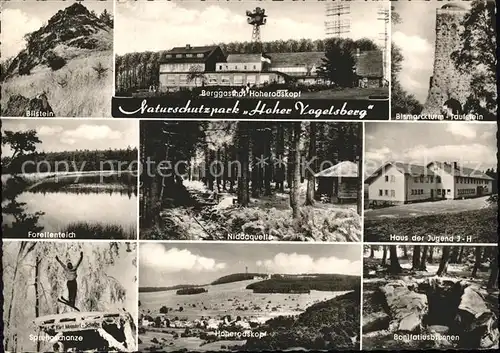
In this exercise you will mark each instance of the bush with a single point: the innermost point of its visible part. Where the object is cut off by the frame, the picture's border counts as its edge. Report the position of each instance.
(188, 291)
(54, 61)
(163, 309)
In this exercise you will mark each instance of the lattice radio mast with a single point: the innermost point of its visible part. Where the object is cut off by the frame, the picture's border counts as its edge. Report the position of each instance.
(336, 24)
(384, 15)
(256, 18)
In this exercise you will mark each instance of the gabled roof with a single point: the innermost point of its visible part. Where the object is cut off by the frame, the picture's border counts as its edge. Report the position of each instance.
(309, 58)
(461, 171)
(370, 64)
(405, 168)
(244, 58)
(344, 169)
(193, 50)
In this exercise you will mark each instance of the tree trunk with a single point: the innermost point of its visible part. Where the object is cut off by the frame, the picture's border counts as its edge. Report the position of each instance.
(384, 255)
(416, 257)
(280, 152)
(443, 264)
(423, 260)
(405, 251)
(294, 192)
(493, 279)
(243, 158)
(454, 254)
(37, 294)
(372, 252)
(477, 263)
(359, 156)
(460, 255)
(268, 169)
(395, 267)
(431, 253)
(311, 183)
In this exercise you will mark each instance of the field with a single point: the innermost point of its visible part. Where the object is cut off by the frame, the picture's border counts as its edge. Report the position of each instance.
(225, 307)
(470, 220)
(426, 208)
(74, 90)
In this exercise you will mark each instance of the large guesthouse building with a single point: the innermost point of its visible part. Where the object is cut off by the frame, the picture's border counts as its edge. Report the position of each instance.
(188, 67)
(399, 183)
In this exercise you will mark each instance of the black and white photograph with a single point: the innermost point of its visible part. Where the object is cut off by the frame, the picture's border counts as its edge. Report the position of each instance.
(251, 49)
(246, 180)
(431, 182)
(69, 179)
(57, 58)
(69, 296)
(249, 297)
(443, 61)
(430, 297)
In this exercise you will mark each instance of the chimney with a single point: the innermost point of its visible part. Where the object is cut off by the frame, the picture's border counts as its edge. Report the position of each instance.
(188, 46)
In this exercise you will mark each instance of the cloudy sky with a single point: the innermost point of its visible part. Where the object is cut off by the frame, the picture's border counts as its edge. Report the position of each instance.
(22, 17)
(161, 25)
(163, 264)
(75, 134)
(470, 144)
(416, 35)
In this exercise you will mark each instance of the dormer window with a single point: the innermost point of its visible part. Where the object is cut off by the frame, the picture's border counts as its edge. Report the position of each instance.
(178, 55)
(189, 55)
(168, 55)
(200, 55)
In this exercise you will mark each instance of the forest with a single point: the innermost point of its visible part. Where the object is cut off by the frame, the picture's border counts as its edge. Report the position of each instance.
(430, 289)
(140, 70)
(206, 180)
(33, 280)
(299, 284)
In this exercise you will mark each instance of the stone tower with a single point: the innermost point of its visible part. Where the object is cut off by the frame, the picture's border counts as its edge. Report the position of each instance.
(446, 83)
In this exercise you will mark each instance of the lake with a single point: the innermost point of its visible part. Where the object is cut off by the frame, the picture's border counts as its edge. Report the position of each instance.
(92, 205)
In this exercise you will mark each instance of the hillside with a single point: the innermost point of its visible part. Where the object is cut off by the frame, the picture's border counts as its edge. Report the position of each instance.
(306, 283)
(70, 59)
(329, 325)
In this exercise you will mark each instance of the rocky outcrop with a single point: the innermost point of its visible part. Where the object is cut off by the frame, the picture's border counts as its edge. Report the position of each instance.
(20, 106)
(445, 307)
(75, 26)
(406, 307)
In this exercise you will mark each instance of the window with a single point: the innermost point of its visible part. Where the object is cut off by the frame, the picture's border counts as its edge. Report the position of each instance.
(412, 192)
(225, 80)
(189, 55)
(386, 192)
(178, 55)
(212, 79)
(393, 193)
(416, 179)
(182, 79)
(171, 79)
(421, 191)
(448, 192)
(200, 55)
(431, 179)
(422, 179)
(236, 67)
(386, 178)
(251, 79)
(380, 193)
(438, 179)
(255, 67)
(264, 78)
(439, 191)
(220, 67)
(393, 179)
(245, 67)
(238, 80)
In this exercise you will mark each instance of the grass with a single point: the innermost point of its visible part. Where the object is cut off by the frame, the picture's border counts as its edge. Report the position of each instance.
(85, 230)
(74, 90)
(481, 225)
(297, 284)
(427, 208)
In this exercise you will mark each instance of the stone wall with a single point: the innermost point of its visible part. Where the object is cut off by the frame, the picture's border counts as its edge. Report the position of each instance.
(447, 82)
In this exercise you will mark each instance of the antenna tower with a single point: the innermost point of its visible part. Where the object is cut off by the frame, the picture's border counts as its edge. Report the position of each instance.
(256, 18)
(384, 15)
(336, 24)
